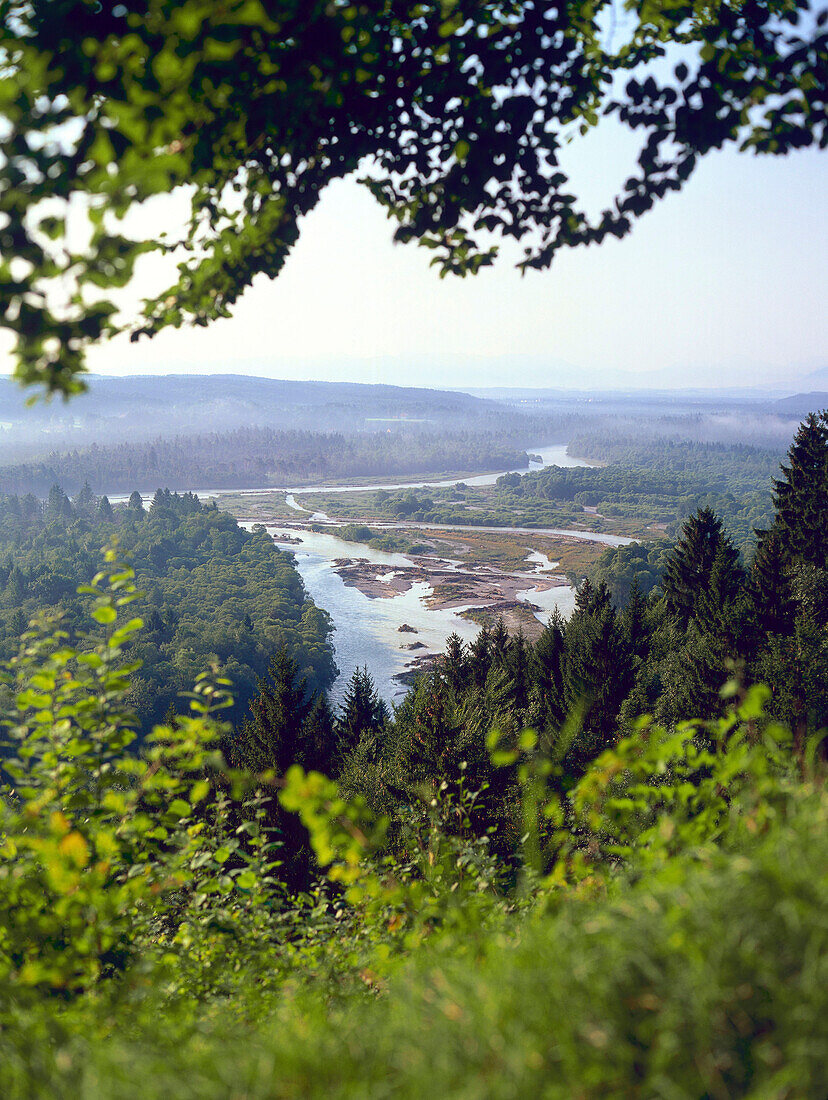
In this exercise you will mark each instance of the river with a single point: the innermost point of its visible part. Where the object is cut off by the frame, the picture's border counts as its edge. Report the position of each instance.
(554, 455)
(367, 630)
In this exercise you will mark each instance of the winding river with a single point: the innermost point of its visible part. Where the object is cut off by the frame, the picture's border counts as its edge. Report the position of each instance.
(367, 629)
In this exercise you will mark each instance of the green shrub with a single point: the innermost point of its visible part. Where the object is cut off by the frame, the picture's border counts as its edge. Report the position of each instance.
(668, 935)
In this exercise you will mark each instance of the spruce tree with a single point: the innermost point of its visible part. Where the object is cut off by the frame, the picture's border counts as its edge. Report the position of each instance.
(598, 676)
(105, 512)
(16, 587)
(635, 624)
(271, 738)
(801, 494)
(454, 665)
(584, 595)
(363, 712)
(499, 642)
(715, 611)
(85, 500)
(480, 658)
(57, 505)
(548, 672)
(690, 563)
(319, 742)
(517, 666)
(432, 728)
(770, 589)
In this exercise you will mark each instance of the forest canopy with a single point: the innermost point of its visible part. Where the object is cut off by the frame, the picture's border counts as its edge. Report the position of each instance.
(214, 594)
(456, 110)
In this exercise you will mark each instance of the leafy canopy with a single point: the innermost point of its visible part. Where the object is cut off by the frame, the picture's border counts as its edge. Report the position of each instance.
(459, 108)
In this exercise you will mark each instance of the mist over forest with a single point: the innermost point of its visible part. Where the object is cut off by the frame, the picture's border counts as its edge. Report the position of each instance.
(369, 740)
(224, 431)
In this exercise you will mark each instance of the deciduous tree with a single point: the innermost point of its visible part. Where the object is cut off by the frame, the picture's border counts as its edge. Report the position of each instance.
(456, 109)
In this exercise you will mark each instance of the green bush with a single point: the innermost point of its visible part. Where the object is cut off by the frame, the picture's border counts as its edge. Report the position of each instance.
(666, 935)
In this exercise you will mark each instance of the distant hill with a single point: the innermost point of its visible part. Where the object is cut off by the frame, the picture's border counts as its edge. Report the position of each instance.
(816, 380)
(141, 407)
(800, 404)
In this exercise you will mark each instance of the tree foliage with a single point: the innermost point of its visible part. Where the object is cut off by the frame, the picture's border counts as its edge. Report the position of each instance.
(801, 494)
(458, 108)
(214, 593)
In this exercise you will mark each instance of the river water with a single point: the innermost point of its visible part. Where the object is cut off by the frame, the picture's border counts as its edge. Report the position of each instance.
(367, 630)
(554, 455)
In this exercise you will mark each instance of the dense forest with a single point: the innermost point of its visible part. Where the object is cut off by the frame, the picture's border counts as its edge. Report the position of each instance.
(214, 594)
(259, 457)
(591, 867)
(514, 835)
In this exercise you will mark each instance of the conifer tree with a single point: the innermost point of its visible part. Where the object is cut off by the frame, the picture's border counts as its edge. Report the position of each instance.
(274, 737)
(517, 666)
(801, 494)
(548, 658)
(16, 587)
(598, 675)
(271, 739)
(584, 595)
(715, 610)
(319, 741)
(635, 624)
(454, 665)
(499, 641)
(363, 712)
(480, 658)
(105, 512)
(433, 732)
(770, 589)
(690, 563)
(57, 505)
(85, 500)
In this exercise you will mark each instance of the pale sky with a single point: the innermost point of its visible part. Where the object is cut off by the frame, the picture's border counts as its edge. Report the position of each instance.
(721, 285)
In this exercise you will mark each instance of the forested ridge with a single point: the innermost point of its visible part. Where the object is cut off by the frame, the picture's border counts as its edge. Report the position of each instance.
(259, 457)
(513, 880)
(213, 593)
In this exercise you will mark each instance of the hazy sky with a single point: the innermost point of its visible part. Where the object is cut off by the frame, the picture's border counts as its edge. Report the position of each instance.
(723, 284)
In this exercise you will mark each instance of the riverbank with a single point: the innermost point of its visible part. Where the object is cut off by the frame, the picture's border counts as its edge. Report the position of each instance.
(433, 580)
(393, 612)
(451, 586)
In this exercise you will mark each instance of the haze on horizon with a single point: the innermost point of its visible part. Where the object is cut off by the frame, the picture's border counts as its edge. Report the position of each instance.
(719, 286)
